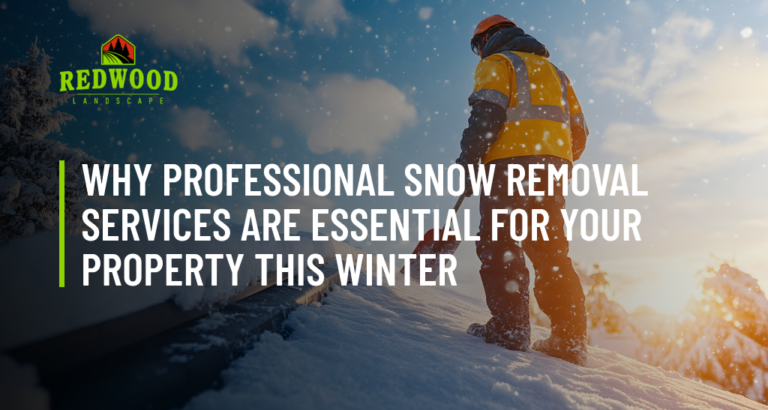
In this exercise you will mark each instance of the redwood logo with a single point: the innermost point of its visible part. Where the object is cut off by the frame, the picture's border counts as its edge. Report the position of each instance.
(123, 83)
(118, 51)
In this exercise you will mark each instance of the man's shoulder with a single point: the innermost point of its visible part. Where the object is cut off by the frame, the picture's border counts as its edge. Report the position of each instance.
(493, 62)
(494, 58)
(507, 56)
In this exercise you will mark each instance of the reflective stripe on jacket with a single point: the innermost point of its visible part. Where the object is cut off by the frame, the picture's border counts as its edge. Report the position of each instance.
(541, 107)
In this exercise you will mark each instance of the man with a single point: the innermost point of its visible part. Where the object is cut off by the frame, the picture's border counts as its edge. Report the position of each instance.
(524, 111)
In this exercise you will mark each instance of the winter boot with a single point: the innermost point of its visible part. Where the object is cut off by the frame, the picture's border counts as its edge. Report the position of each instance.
(494, 332)
(570, 349)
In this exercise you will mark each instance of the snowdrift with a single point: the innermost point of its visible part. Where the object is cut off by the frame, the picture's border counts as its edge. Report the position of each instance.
(383, 348)
(34, 308)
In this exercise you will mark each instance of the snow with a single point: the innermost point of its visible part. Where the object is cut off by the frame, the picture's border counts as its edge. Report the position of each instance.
(30, 268)
(406, 347)
(625, 343)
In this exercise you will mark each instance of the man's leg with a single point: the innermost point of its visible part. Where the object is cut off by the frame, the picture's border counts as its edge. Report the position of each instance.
(557, 287)
(505, 277)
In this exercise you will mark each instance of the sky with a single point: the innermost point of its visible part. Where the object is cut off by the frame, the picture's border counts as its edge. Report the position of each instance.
(677, 87)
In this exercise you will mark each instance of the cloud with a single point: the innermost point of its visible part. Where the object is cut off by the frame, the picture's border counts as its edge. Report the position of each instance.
(318, 14)
(700, 158)
(619, 75)
(348, 114)
(725, 92)
(640, 8)
(673, 47)
(196, 129)
(219, 30)
(705, 97)
(667, 154)
(624, 70)
(643, 141)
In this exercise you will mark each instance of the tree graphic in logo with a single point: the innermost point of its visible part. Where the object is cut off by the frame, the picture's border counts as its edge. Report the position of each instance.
(118, 51)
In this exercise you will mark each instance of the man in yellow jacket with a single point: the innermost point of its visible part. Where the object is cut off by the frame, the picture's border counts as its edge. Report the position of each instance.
(524, 111)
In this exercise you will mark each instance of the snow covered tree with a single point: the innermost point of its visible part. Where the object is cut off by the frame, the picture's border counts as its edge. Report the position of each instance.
(601, 311)
(721, 338)
(736, 297)
(29, 162)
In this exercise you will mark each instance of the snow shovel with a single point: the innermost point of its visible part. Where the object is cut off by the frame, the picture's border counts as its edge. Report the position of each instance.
(429, 246)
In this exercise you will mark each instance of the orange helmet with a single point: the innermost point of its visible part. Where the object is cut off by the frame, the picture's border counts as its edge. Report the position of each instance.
(491, 21)
(478, 40)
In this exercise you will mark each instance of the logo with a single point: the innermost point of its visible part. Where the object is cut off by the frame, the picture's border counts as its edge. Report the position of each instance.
(118, 51)
(121, 84)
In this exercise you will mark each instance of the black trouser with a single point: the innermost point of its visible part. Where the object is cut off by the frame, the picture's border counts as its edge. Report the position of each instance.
(505, 277)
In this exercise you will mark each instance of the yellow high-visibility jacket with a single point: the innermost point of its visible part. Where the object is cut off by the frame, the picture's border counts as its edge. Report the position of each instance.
(544, 116)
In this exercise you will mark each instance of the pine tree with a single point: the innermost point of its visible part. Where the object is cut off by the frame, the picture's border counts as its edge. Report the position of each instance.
(721, 338)
(29, 162)
(601, 311)
(736, 297)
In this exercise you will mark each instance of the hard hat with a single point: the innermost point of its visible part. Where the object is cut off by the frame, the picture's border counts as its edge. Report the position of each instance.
(491, 21)
(478, 40)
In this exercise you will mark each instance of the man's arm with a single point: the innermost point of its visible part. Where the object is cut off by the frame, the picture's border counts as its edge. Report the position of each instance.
(485, 122)
(489, 103)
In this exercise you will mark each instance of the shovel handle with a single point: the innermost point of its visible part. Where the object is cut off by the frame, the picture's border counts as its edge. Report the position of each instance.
(458, 203)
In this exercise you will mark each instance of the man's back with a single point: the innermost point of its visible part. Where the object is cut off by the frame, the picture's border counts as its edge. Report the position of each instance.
(539, 103)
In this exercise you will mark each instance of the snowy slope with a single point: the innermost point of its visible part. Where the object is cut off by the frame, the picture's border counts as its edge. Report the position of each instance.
(382, 348)
(29, 280)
